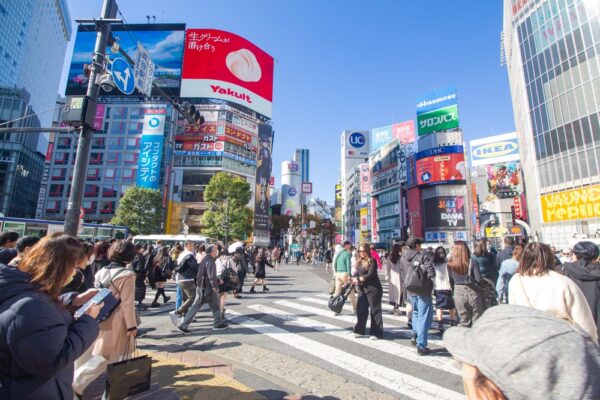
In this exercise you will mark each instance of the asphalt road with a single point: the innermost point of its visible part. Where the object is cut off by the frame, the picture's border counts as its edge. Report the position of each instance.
(287, 340)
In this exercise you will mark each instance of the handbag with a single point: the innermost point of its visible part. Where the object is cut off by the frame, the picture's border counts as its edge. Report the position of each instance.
(336, 303)
(484, 287)
(128, 377)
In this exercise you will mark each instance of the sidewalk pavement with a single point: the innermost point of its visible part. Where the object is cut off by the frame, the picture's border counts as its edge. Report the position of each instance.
(183, 374)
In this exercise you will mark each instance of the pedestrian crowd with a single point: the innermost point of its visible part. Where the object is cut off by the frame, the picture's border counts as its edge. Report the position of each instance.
(524, 321)
(57, 336)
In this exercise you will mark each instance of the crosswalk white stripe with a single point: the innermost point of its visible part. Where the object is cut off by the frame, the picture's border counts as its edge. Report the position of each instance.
(352, 320)
(386, 346)
(398, 382)
(385, 306)
(348, 305)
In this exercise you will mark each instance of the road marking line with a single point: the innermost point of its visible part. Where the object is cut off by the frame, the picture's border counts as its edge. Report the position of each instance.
(385, 346)
(347, 305)
(352, 320)
(398, 382)
(385, 306)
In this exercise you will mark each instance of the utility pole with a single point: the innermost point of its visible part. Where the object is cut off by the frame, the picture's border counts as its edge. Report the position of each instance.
(109, 10)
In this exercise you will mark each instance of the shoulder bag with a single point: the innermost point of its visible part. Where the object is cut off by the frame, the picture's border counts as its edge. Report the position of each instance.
(484, 287)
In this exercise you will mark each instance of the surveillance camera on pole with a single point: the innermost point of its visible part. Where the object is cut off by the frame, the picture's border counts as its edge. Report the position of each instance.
(106, 82)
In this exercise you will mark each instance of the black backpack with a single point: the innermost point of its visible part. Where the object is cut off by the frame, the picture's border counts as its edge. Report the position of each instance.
(416, 280)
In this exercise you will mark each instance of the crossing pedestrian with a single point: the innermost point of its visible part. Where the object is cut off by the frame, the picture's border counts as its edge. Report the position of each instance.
(328, 259)
(422, 315)
(463, 272)
(443, 289)
(8, 244)
(275, 257)
(537, 285)
(100, 256)
(370, 293)
(519, 353)
(24, 246)
(186, 271)
(163, 267)
(116, 338)
(486, 261)
(343, 272)
(39, 339)
(585, 272)
(243, 269)
(394, 277)
(507, 270)
(207, 292)
(261, 264)
(506, 252)
(139, 268)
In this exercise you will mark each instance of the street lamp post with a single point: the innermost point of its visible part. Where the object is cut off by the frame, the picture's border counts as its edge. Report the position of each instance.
(226, 224)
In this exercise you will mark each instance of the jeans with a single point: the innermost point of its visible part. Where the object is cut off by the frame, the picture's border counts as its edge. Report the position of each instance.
(178, 298)
(422, 318)
(214, 302)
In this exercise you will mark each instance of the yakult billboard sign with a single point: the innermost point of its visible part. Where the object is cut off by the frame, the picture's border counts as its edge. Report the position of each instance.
(222, 65)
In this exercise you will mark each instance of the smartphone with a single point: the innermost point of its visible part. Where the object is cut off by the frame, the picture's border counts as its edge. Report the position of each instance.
(103, 296)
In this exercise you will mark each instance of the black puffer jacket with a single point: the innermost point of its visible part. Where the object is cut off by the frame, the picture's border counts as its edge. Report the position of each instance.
(407, 260)
(587, 276)
(39, 341)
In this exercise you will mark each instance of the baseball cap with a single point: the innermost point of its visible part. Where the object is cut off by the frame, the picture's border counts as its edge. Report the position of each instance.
(413, 242)
(529, 354)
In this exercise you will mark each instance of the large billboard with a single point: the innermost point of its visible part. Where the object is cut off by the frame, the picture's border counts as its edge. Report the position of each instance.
(444, 212)
(164, 43)
(504, 180)
(262, 220)
(571, 205)
(440, 165)
(437, 111)
(494, 149)
(381, 136)
(222, 65)
(148, 175)
(415, 216)
(404, 132)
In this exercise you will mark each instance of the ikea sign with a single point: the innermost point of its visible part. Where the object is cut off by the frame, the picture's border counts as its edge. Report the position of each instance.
(485, 151)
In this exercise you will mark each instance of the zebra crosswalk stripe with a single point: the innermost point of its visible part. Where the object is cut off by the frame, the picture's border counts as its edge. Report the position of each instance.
(352, 320)
(396, 381)
(388, 347)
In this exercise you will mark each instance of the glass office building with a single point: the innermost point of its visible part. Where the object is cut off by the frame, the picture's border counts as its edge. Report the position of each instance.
(552, 52)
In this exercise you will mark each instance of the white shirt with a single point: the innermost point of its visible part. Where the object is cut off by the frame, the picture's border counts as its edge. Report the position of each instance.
(556, 294)
(442, 278)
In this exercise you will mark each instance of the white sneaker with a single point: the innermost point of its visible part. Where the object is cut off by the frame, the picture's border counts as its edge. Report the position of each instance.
(373, 338)
(358, 335)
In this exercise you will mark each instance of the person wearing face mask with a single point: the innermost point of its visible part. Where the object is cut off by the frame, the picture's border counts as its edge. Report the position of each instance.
(82, 279)
(520, 353)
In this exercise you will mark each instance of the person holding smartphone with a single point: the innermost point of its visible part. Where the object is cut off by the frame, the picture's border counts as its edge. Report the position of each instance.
(39, 338)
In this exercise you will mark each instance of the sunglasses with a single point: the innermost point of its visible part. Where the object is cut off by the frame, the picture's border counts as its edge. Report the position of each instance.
(362, 251)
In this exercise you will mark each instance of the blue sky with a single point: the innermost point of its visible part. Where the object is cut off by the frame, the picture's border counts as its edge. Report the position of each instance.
(355, 64)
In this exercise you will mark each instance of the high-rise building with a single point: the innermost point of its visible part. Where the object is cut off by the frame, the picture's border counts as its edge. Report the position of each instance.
(302, 157)
(20, 164)
(33, 39)
(552, 52)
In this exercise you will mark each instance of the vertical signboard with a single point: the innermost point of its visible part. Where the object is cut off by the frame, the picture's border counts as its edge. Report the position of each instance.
(365, 178)
(262, 221)
(46, 172)
(474, 200)
(374, 231)
(402, 172)
(415, 218)
(151, 145)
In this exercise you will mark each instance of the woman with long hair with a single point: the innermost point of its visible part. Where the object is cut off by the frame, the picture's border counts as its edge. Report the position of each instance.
(463, 272)
(39, 339)
(370, 293)
(261, 264)
(162, 270)
(485, 260)
(394, 277)
(117, 333)
(537, 285)
(443, 289)
(100, 256)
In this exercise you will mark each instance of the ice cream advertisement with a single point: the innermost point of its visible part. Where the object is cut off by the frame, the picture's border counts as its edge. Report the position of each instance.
(222, 65)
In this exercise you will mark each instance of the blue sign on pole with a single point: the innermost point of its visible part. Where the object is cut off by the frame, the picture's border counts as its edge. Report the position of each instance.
(122, 74)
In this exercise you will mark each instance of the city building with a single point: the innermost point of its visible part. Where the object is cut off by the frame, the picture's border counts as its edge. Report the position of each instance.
(551, 50)
(25, 62)
(291, 188)
(385, 217)
(355, 149)
(20, 163)
(117, 158)
(302, 157)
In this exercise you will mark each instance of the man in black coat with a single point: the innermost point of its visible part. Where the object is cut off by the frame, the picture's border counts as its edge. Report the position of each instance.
(8, 244)
(506, 252)
(207, 291)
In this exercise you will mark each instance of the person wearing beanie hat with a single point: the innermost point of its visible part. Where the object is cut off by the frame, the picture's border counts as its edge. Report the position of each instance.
(520, 353)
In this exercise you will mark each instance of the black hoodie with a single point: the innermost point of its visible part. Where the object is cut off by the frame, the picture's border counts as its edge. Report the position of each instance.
(408, 255)
(587, 276)
(39, 341)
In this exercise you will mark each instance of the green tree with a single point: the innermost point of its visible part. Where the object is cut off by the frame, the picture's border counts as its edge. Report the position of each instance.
(141, 210)
(227, 197)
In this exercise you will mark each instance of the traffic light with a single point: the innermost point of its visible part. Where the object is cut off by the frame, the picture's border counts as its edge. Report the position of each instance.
(192, 115)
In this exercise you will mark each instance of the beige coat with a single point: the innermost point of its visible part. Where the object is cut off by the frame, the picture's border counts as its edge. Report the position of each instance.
(393, 274)
(113, 341)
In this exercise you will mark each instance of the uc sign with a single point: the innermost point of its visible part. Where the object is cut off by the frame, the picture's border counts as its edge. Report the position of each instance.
(496, 149)
(357, 140)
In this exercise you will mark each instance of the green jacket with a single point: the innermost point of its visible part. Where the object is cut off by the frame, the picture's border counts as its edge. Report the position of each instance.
(342, 261)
